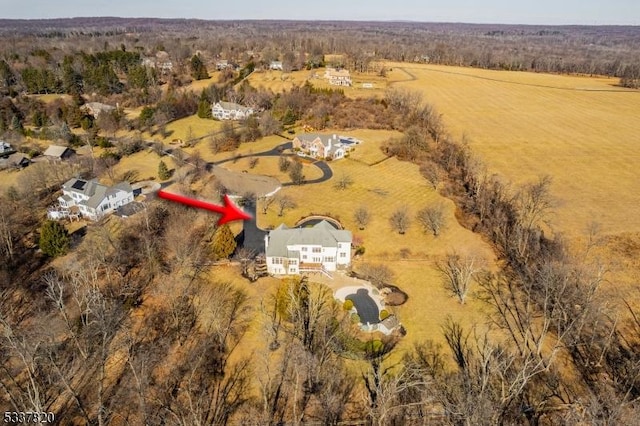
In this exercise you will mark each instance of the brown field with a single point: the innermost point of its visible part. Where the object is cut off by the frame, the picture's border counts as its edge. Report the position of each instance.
(187, 128)
(582, 131)
(279, 81)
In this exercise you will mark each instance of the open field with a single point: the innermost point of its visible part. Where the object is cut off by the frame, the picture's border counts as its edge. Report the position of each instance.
(582, 131)
(278, 81)
(189, 128)
(143, 165)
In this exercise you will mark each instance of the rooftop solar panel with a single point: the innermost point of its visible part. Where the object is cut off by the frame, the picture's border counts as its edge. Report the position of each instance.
(79, 184)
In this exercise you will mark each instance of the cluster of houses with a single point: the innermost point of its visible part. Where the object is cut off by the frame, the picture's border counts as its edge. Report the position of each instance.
(324, 147)
(90, 199)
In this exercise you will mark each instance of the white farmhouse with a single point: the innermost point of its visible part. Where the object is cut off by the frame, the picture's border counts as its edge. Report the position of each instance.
(321, 248)
(338, 77)
(94, 199)
(230, 111)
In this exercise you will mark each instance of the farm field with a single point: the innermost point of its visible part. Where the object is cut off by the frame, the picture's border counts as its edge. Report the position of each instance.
(278, 81)
(582, 131)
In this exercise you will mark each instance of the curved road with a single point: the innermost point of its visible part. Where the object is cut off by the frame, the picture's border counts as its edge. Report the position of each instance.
(327, 173)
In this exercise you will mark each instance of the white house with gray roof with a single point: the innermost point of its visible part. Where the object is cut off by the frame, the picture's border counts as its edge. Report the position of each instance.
(230, 111)
(317, 145)
(93, 199)
(321, 248)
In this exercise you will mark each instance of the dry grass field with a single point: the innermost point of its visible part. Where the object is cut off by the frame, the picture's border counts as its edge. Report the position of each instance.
(582, 131)
(278, 81)
(189, 128)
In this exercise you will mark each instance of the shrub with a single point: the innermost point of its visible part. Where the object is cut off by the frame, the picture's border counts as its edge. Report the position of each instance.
(163, 172)
(355, 318)
(54, 239)
(348, 305)
(384, 314)
(224, 243)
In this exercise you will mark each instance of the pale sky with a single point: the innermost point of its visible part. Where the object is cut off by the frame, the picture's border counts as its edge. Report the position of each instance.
(591, 12)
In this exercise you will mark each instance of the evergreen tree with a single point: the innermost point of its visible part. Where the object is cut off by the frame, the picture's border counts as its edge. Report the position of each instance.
(198, 69)
(16, 124)
(224, 242)
(54, 239)
(163, 171)
(204, 106)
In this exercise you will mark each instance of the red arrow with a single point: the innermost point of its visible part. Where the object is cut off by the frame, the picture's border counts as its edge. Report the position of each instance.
(229, 211)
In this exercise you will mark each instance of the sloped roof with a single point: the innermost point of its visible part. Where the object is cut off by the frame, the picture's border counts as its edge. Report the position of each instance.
(55, 151)
(390, 322)
(18, 158)
(324, 139)
(94, 190)
(321, 234)
(233, 106)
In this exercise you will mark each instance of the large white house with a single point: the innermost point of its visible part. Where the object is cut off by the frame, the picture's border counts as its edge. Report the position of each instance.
(93, 199)
(230, 111)
(321, 248)
(332, 147)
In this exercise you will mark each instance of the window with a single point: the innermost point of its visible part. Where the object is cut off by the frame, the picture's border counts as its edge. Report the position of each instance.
(277, 261)
(317, 249)
(304, 257)
(343, 254)
(329, 259)
(293, 262)
(317, 259)
(304, 248)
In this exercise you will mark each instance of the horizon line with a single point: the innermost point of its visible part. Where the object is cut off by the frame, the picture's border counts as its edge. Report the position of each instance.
(400, 21)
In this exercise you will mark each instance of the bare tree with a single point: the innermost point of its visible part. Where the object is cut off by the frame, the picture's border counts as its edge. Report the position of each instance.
(399, 220)
(534, 202)
(344, 182)
(377, 273)
(432, 172)
(285, 202)
(458, 272)
(266, 203)
(284, 163)
(295, 173)
(432, 218)
(362, 217)
(6, 234)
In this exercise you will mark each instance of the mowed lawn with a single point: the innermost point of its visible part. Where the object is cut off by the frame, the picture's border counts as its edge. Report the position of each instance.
(582, 131)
